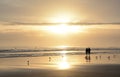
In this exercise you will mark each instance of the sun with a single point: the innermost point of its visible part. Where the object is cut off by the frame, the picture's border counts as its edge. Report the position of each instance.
(60, 29)
(64, 29)
(63, 26)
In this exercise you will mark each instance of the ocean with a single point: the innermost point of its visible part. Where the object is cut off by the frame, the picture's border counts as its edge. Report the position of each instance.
(7, 53)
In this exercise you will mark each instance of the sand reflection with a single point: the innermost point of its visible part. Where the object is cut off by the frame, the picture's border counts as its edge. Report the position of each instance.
(64, 64)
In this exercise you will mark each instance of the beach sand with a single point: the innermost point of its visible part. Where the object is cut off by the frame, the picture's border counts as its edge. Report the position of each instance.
(99, 65)
(77, 71)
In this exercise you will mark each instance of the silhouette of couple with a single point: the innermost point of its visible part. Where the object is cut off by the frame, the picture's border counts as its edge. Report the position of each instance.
(88, 51)
(87, 57)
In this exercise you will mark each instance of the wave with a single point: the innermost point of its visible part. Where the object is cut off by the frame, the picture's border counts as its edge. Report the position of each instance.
(54, 49)
(38, 53)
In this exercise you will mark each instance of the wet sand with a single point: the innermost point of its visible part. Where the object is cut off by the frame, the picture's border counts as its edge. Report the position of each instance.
(96, 65)
(77, 71)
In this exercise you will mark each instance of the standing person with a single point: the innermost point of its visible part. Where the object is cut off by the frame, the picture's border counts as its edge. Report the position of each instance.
(86, 51)
(89, 51)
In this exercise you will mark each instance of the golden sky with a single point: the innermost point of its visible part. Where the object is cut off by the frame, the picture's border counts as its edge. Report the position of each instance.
(20, 23)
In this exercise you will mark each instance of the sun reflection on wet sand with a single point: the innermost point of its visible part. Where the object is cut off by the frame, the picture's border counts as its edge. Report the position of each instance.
(64, 64)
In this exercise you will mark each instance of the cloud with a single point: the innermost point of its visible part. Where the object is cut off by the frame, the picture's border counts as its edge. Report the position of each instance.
(70, 23)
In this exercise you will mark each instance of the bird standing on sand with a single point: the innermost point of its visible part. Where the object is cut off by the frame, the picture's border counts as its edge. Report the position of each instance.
(28, 63)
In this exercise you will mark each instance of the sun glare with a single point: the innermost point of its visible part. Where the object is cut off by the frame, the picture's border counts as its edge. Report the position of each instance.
(63, 19)
(64, 29)
(64, 64)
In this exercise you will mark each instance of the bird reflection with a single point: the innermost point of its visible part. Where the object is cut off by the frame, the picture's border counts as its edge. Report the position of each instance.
(114, 56)
(109, 58)
(50, 59)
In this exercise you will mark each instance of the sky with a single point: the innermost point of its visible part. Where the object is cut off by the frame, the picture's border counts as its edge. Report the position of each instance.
(18, 19)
